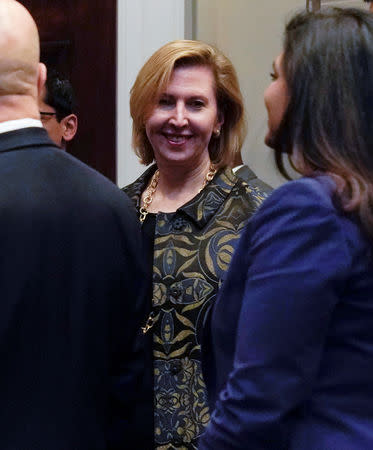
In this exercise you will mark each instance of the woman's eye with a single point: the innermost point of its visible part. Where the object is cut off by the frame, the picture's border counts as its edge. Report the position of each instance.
(165, 101)
(273, 76)
(198, 104)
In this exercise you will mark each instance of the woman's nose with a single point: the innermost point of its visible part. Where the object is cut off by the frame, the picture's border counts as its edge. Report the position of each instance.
(179, 117)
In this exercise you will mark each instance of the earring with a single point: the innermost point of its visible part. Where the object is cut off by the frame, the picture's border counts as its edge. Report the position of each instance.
(217, 132)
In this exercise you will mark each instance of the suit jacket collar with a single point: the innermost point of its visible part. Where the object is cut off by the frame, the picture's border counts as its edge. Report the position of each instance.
(202, 207)
(24, 138)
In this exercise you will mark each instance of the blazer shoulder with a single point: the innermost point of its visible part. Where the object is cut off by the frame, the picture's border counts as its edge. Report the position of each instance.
(305, 210)
(305, 191)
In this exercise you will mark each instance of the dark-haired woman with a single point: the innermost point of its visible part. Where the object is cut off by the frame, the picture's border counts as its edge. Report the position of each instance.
(288, 354)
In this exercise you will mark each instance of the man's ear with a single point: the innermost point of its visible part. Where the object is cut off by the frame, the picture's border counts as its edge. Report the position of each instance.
(70, 127)
(42, 77)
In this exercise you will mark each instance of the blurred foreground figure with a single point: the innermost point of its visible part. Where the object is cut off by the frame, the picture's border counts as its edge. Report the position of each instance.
(288, 349)
(69, 271)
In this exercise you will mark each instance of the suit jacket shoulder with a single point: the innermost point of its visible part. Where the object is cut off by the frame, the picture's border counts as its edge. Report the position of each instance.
(71, 275)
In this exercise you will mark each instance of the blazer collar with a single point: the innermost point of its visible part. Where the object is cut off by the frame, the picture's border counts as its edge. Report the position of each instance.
(206, 204)
(202, 207)
(23, 138)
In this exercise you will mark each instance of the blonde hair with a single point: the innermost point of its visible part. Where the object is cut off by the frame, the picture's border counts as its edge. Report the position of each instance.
(156, 74)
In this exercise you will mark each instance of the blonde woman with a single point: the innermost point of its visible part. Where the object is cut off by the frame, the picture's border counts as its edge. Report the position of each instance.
(188, 118)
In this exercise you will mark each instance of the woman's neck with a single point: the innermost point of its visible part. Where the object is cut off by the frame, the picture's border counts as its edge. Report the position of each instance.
(178, 185)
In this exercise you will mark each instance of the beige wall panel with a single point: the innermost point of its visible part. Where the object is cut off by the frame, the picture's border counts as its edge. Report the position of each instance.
(345, 3)
(249, 32)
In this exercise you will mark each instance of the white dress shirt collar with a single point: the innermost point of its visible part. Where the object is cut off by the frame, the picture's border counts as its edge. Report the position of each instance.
(12, 125)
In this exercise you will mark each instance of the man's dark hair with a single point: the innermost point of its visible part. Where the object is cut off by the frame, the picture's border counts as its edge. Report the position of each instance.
(59, 95)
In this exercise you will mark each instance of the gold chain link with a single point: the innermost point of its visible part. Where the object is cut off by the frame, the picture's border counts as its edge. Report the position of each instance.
(209, 176)
(149, 323)
(148, 197)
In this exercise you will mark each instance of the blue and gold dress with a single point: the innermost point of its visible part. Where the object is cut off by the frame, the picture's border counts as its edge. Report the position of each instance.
(192, 249)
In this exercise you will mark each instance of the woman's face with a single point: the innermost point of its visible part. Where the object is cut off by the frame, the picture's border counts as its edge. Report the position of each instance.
(276, 99)
(184, 118)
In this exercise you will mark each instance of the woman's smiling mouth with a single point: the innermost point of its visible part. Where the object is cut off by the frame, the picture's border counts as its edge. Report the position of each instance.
(177, 139)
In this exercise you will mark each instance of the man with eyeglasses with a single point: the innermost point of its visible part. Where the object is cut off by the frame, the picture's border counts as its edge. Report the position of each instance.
(56, 104)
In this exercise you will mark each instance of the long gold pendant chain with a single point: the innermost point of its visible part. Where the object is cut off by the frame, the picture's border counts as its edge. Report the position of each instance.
(148, 198)
(149, 323)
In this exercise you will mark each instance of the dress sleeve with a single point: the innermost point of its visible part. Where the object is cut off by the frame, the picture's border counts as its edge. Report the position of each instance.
(298, 263)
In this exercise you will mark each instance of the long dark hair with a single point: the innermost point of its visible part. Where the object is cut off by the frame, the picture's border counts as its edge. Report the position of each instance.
(328, 66)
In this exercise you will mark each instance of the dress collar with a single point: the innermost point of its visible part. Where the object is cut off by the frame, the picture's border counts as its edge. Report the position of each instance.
(203, 206)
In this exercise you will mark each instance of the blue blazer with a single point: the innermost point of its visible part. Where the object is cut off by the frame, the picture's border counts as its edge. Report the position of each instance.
(288, 352)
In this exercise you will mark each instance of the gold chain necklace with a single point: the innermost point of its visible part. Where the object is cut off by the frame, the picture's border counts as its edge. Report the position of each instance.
(150, 191)
(148, 197)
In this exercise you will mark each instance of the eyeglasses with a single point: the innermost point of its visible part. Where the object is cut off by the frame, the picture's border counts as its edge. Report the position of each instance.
(45, 113)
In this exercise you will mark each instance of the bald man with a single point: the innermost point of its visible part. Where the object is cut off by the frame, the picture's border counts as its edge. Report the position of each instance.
(71, 274)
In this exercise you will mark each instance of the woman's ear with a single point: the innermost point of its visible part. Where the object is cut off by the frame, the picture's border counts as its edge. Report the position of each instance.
(218, 124)
(220, 120)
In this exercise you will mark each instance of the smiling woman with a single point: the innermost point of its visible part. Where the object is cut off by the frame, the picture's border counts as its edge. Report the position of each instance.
(181, 124)
(188, 117)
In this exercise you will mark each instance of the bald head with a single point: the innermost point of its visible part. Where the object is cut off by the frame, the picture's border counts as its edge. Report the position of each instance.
(19, 50)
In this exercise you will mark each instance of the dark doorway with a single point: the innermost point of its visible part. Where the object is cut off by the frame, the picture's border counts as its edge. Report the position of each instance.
(78, 38)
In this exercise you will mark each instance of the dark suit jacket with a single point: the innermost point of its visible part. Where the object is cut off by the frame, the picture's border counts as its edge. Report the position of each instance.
(289, 357)
(70, 297)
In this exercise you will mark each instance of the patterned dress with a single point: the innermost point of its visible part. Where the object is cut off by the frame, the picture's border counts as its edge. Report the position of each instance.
(192, 250)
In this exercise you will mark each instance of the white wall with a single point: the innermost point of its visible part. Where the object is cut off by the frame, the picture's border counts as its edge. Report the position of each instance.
(143, 27)
(249, 32)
